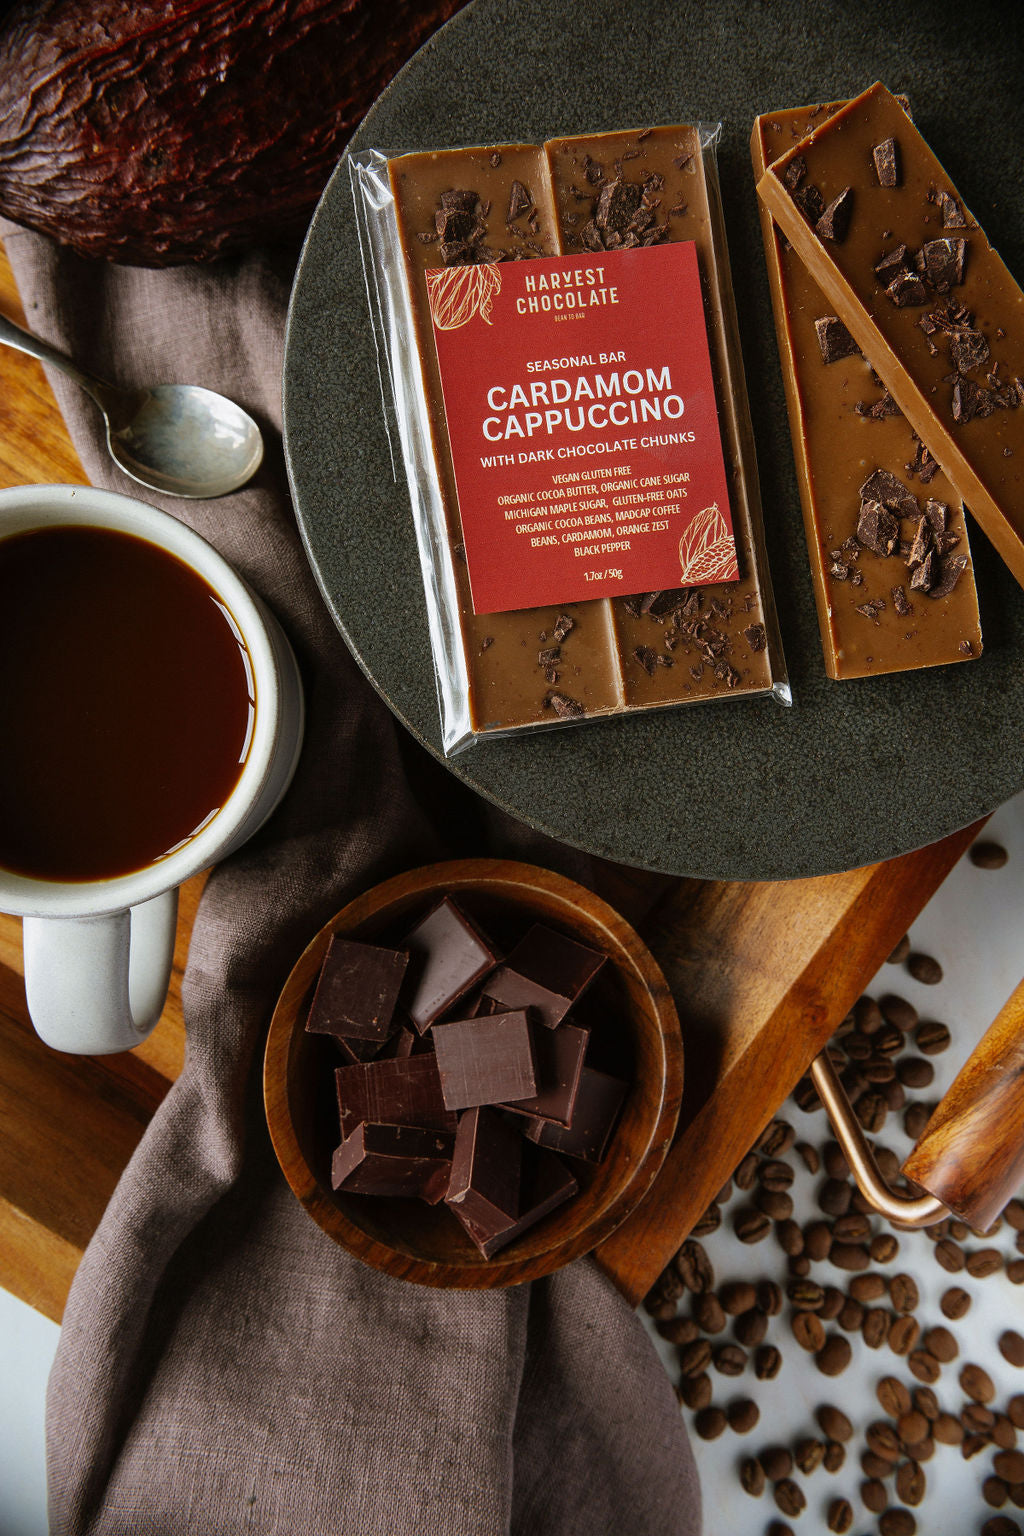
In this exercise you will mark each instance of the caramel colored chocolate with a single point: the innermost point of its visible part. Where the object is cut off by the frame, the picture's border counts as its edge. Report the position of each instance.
(845, 428)
(706, 641)
(513, 219)
(908, 270)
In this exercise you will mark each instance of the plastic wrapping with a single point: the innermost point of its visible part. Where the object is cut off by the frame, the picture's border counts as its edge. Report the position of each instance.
(561, 376)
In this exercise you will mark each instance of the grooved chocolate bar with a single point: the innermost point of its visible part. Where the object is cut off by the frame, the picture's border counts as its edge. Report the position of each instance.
(907, 268)
(868, 553)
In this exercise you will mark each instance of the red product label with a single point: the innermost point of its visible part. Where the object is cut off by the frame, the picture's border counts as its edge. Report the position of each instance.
(583, 426)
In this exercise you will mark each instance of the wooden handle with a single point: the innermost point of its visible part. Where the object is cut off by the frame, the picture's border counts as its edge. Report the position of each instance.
(972, 1154)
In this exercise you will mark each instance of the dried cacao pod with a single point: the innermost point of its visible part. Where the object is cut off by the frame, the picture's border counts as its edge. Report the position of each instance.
(170, 131)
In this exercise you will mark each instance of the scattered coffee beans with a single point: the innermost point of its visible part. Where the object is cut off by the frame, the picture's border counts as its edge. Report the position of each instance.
(1011, 1347)
(924, 968)
(985, 854)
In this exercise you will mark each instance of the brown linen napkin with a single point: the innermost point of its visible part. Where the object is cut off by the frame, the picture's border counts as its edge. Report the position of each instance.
(223, 1366)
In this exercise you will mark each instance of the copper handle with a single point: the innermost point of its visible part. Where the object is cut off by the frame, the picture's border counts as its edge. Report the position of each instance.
(970, 1159)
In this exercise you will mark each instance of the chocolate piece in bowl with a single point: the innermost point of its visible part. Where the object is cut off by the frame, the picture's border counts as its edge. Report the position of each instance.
(545, 1184)
(357, 991)
(558, 1058)
(599, 1101)
(393, 1160)
(447, 955)
(546, 972)
(394, 1090)
(485, 1060)
(483, 1191)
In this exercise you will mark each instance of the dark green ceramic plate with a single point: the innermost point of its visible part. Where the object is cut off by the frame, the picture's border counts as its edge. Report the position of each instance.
(855, 771)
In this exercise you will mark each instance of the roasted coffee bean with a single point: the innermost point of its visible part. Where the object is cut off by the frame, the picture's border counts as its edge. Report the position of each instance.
(949, 1255)
(832, 1303)
(708, 1313)
(695, 1391)
(809, 1156)
(836, 1354)
(833, 1422)
(799, 1266)
(912, 1427)
(924, 968)
(977, 1419)
(834, 1457)
(941, 1343)
(779, 1528)
(775, 1174)
(729, 1360)
(817, 1240)
(923, 1364)
(879, 1071)
(1009, 1465)
(898, 1011)
(695, 1358)
(875, 1327)
(835, 1162)
(743, 1415)
(959, 1230)
(1000, 1525)
(789, 1496)
(875, 1466)
(895, 1096)
(751, 1477)
(858, 1046)
(769, 1297)
(850, 1256)
(973, 1445)
(977, 1385)
(834, 1197)
(725, 1193)
(1003, 1433)
(694, 1268)
(776, 1138)
(893, 1396)
(914, 1072)
(776, 1461)
(1015, 1271)
(708, 1222)
(746, 1172)
(983, 1262)
(910, 1482)
(840, 1515)
(750, 1328)
(916, 1119)
(710, 1423)
(903, 1293)
(955, 1303)
(874, 1495)
(897, 1522)
(995, 1492)
(660, 1301)
(927, 1403)
(1015, 1410)
(767, 1362)
(931, 1037)
(948, 1430)
(775, 1204)
(737, 1296)
(851, 1318)
(808, 1330)
(751, 1226)
(809, 1454)
(986, 854)
(871, 1110)
(901, 951)
(851, 1228)
(678, 1330)
(806, 1295)
(883, 1440)
(805, 1096)
(1014, 1214)
(884, 1247)
(904, 1333)
(871, 1287)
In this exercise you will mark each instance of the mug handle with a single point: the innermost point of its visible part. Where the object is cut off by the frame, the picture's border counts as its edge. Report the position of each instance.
(98, 984)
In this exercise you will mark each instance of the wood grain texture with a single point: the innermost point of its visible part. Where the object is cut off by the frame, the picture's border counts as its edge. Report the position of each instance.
(971, 1155)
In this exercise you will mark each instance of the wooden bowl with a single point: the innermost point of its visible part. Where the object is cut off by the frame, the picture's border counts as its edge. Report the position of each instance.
(635, 1034)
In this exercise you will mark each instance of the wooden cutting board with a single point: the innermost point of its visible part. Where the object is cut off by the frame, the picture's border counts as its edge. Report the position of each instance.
(762, 974)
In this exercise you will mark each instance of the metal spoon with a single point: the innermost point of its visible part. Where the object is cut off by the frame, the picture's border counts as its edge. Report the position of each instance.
(176, 438)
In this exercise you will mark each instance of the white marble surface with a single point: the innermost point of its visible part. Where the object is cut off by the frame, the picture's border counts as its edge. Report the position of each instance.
(975, 927)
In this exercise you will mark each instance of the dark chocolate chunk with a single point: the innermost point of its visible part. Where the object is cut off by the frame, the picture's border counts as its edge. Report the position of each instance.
(943, 263)
(485, 1060)
(907, 288)
(968, 348)
(937, 513)
(393, 1160)
(796, 170)
(834, 339)
(922, 542)
(357, 991)
(563, 965)
(558, 1060)
(617, 202)
(519, 202)
(952, 570)
(756, 637)
(882, 485)
(900, 602)
(834, 223)
(447, 955)
(926, 574)
(810, 201)
(647, 658)
(892, 263)
(952, 213)
(545, 1184)
(877, 528)
(564, 706)
(970, 400)
(564, 626)
(887, 163)
(483, 1190)
(598, 1104)
(402, 1090)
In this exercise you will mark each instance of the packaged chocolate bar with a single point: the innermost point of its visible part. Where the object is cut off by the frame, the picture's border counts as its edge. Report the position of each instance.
(563, 384)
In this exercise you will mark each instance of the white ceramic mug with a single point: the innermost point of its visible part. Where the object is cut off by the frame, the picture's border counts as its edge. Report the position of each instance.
(98, 953)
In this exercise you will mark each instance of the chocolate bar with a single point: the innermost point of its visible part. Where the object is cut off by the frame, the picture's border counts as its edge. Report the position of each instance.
(871, 617)
(393, 1160)
(558, 1062)
(908, 270)
(483, 1190)
(394, 1090)
(599, 1101)
(485, 1060)
(707, 639)
(448, 955)
(356, 991)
